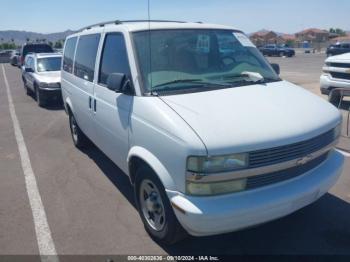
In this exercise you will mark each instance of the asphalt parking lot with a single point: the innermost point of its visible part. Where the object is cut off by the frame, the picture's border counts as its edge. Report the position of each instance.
(89, 201)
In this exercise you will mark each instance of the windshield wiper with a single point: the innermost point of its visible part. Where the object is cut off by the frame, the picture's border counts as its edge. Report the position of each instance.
(176, 81)
(251, 77)
(201, 82)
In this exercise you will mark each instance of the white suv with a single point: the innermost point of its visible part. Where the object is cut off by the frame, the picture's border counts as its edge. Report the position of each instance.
(211, 138)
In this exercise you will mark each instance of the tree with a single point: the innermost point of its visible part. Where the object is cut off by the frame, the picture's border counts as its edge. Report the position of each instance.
(50, 44)
(58, 44)
(340, 32)
(337, 31)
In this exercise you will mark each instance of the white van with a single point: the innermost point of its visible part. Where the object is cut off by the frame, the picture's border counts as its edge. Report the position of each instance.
(211, 138)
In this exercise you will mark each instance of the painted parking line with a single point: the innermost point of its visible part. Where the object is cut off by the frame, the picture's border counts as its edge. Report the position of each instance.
(46, 245)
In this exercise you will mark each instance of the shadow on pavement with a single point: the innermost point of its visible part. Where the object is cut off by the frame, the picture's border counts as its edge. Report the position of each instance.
(321, 228)
(115, 175)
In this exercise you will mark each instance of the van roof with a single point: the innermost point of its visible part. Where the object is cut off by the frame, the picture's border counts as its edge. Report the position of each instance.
(142, 25)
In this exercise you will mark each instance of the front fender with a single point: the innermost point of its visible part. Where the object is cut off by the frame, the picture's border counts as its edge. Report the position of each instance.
(155, 164)
(68, 103)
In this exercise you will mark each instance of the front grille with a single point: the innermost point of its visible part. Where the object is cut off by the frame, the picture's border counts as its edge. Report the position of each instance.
(341, 65)
(279, 176)
(340, 75)
(285, 153)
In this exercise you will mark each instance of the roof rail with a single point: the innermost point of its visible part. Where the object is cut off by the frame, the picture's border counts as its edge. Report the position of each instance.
(118, 22)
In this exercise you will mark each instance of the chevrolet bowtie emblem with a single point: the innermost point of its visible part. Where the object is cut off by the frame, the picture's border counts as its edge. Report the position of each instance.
(304, 160)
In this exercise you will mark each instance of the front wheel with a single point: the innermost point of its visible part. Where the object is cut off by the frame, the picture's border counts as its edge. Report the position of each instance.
(39, 97)
(155, 209)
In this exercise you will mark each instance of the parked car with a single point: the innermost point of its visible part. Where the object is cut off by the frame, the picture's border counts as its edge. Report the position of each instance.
(277, 50)
(338, 49)
(33, 48)
(5, 56)
(336, 77)
(212, 139)
(41, 76)
(14, 58)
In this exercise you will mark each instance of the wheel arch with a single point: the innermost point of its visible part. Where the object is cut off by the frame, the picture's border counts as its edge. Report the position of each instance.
(140, 156)
(68, 106)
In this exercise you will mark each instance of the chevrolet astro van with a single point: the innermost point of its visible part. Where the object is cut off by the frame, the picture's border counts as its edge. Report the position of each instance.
(212, 139)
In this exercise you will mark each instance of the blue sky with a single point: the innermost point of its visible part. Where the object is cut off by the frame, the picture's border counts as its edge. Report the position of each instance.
(248, 15)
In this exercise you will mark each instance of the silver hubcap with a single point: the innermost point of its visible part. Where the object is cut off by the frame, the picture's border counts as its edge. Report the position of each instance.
(74, 129)
(152, 205)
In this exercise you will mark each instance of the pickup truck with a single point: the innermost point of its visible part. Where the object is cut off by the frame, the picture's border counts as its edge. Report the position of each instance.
(277, 50)
(338, 49)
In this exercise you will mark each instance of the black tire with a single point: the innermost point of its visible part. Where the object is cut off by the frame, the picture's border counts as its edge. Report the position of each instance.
(28, 91)
(334, 98)
(39, 97)
(80, 140)
(172, 231)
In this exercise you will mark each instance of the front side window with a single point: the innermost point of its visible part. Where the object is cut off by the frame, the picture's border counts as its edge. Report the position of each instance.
(49, 64)
(68, 56)
(198, 59)
(114, 58)
(85, 57)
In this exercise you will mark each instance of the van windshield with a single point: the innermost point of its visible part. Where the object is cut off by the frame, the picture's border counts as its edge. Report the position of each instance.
(49, 64)
(191, 60)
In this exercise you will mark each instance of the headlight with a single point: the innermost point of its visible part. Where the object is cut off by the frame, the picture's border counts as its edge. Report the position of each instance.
(216, 164)
(217, 188)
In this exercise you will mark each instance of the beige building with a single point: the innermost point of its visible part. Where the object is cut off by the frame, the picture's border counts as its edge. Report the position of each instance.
(270, 37)
(317, 38)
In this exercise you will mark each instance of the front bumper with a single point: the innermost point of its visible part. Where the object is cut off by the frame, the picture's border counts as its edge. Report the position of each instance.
(51, 93)
(202, 216)
(327, 84)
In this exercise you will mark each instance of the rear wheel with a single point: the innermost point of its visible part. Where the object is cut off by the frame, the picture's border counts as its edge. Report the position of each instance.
(79, 138)
(155, 209)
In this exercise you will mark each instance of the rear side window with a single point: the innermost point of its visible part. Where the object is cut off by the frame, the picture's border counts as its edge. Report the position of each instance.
(68, 56)
(85, 57)
(114, 58)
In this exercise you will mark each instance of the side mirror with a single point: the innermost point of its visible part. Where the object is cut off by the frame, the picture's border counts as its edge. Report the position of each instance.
(276, 68)
(29, 70)
(117, 82)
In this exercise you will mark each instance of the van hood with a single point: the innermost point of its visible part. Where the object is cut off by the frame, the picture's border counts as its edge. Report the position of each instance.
(336, 58)
(49, 77)
(254, 117)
